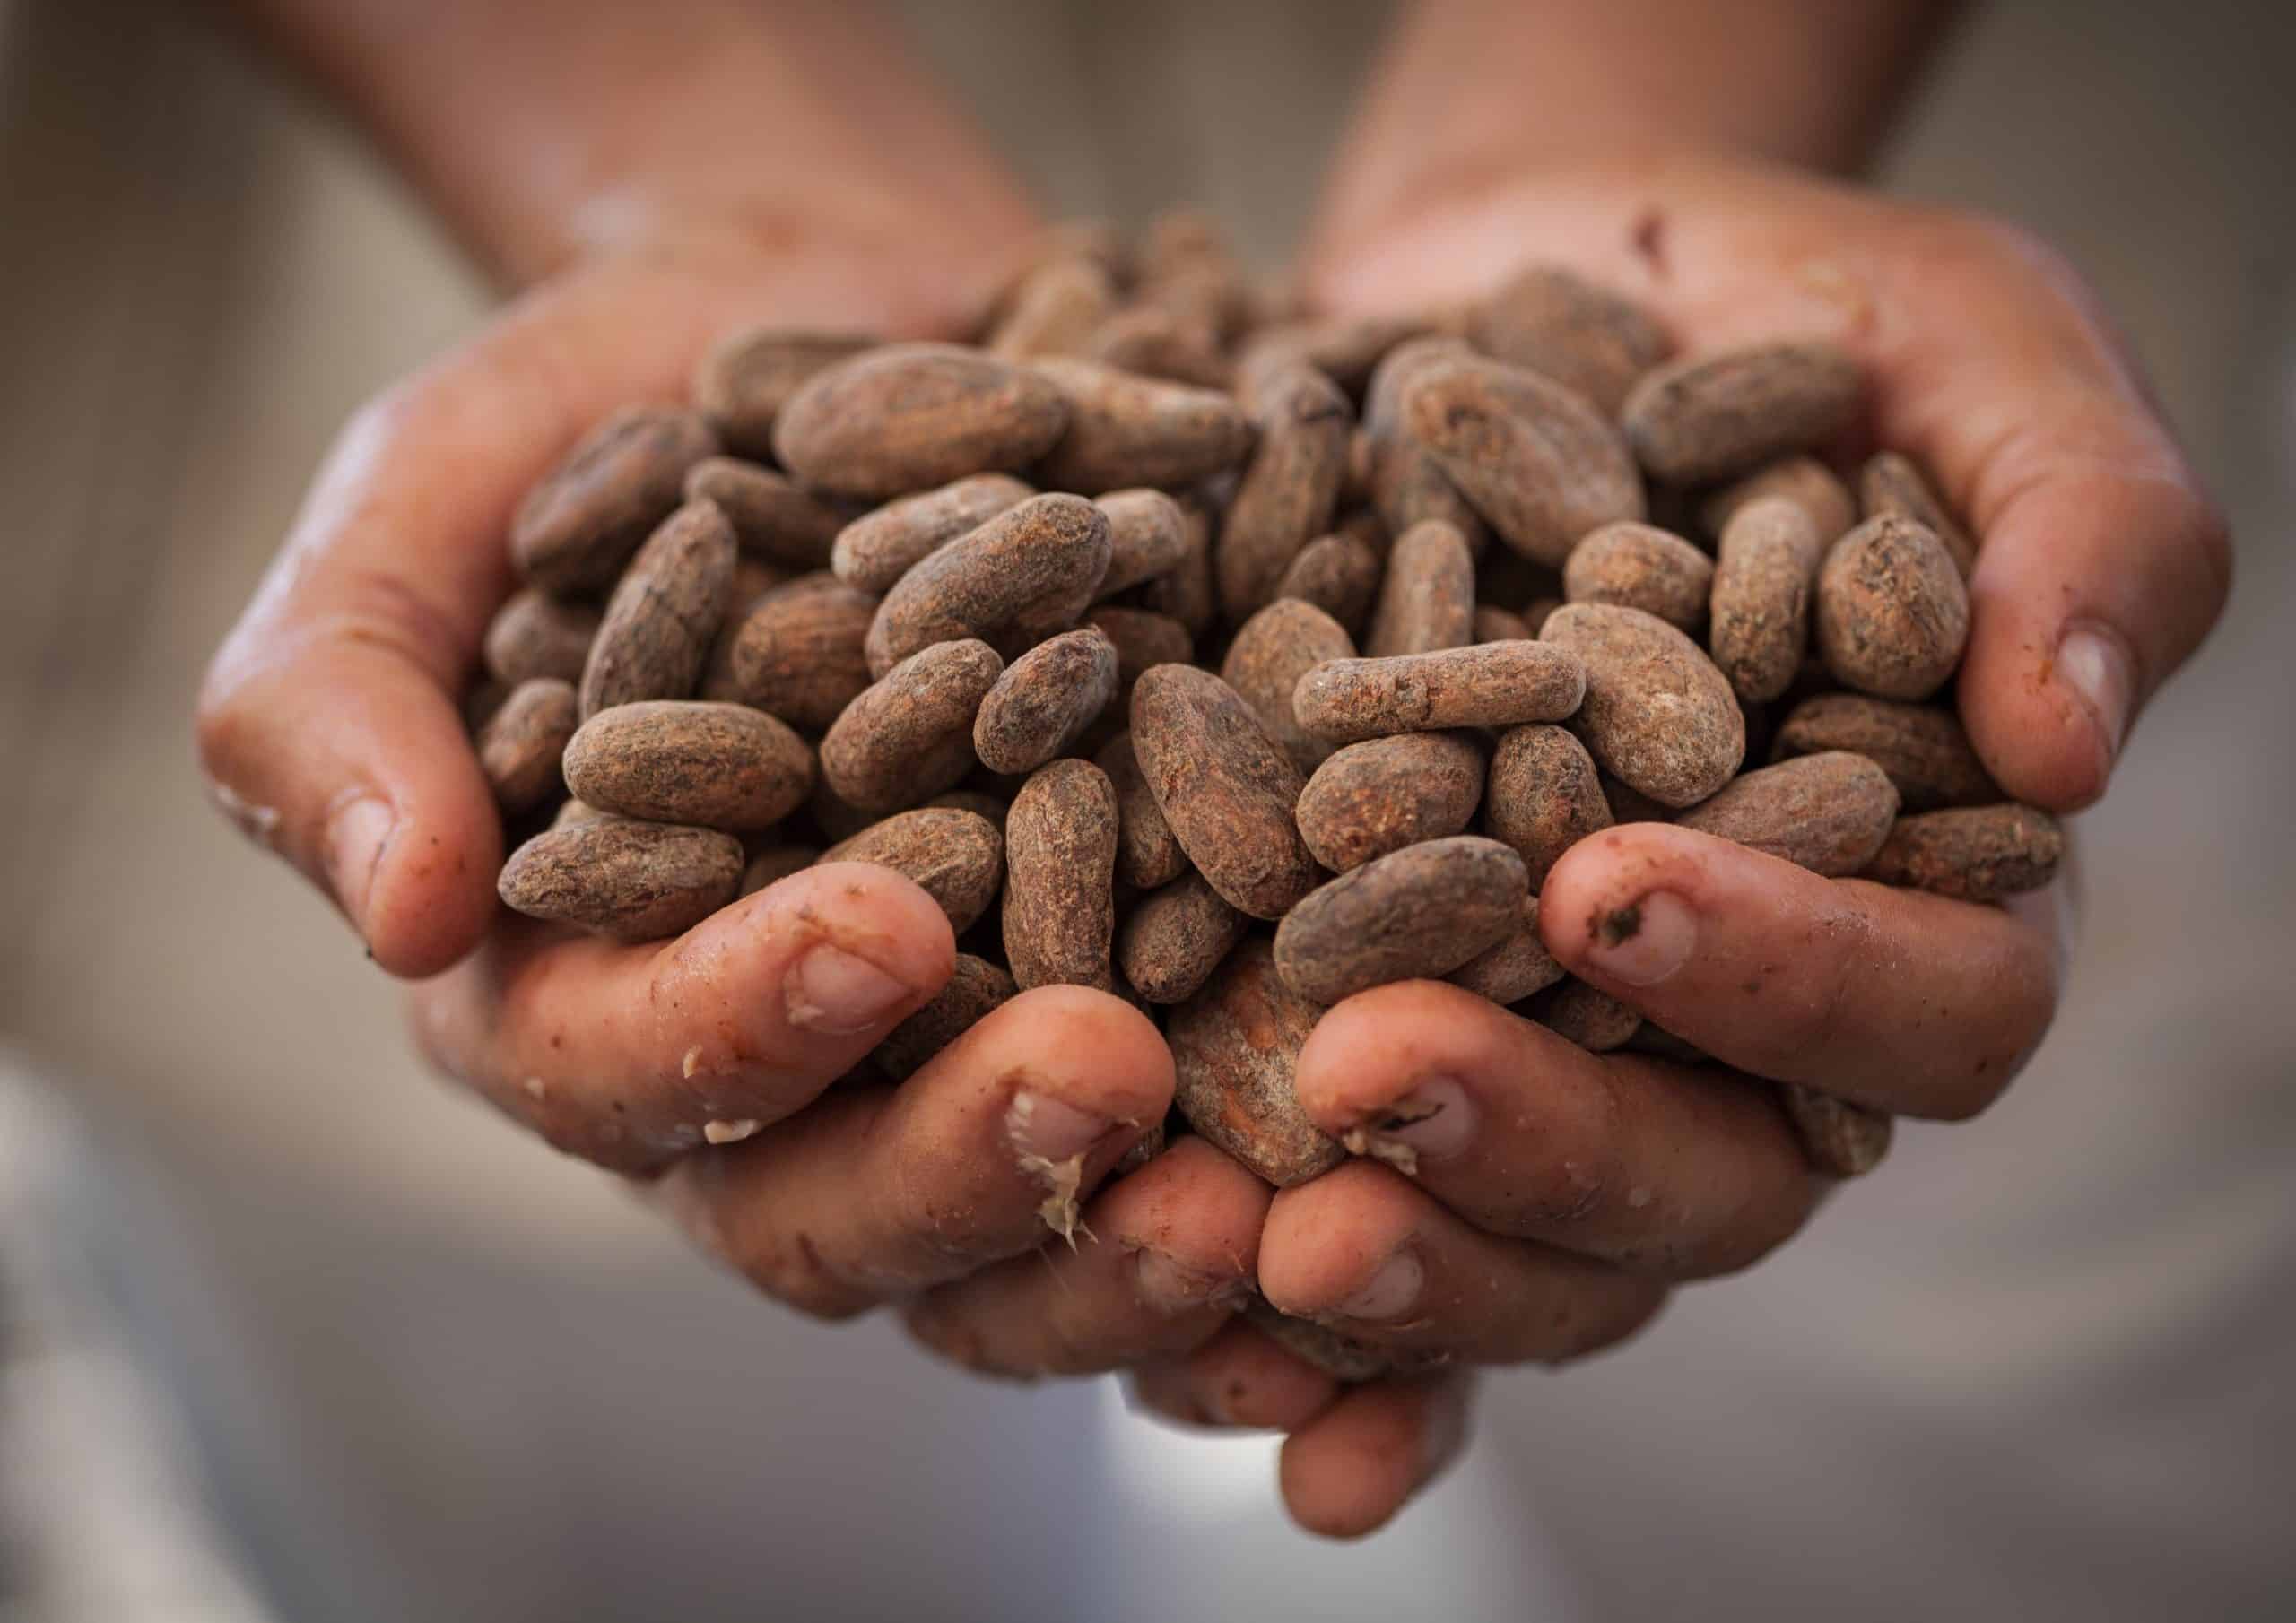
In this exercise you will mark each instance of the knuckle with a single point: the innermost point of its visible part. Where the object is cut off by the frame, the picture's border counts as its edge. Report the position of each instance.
(955, 1337)
(789, 1268)
(1600, 1331)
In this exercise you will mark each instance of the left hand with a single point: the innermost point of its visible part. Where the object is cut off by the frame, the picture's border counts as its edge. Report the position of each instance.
(1532, 1201)
(1553, 1195)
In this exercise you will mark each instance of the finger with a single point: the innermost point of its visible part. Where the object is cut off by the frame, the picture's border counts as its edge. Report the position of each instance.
(631, 1055)
(328, 724)
(1662, 1168)
(1364, 1252)
(1347, 1471)
(1896, 999)
(875, 1193)
(1163, 1259)
(2102, 565)
(1238, 1378)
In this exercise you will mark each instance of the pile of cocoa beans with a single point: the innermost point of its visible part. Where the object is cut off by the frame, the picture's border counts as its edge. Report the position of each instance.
(1234, 662)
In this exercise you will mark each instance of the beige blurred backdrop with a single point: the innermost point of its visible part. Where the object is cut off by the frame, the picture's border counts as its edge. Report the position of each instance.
(202, 276)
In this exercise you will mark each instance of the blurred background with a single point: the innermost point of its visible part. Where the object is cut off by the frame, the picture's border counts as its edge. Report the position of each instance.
(288, 1330)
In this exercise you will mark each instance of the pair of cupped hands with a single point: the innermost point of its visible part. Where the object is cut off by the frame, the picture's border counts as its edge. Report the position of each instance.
(1552, 1198)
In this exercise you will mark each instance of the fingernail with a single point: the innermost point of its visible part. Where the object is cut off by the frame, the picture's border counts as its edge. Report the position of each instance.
(1391, 1292)
(1432, 1122)
(1168, 1287)
(1051, 1129)
(1644, 942)
(356, 837)
(839, 993)
(2095, 663)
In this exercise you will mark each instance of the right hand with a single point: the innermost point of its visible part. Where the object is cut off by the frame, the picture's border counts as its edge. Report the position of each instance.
(331, 732)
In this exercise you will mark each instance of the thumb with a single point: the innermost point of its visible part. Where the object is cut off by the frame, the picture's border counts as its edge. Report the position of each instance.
(328, 726)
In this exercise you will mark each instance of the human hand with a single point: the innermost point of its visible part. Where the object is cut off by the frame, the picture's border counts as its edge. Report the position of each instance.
(332, 731)
(1520, 1199)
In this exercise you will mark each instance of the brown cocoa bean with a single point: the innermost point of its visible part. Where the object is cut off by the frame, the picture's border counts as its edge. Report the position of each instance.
(1517, 967)
(1657, 713)
(1150, 342)
(635, 881)
(711, 766)
(1922, 749)
(1890, 485)
(1235, 1051)
(1712, 416)
(1147, 537)
(1417, 913)
(1764, 574)
(1543, 796)
(975, 989)
(1892, 614)
(1044, 701)
(1493, 624)
(836, 819)
(877, 549)
(1147, 855)
(522, 744)
(1288, 487)
(535, 635)
(910, 736)
(773, 518)
(1828, 813)
(955, 857)
(1427, 597)
(1045, 553)
(1804, 481)
(1338, 574)
(1125, 429)
(1188, 593)
(1271, 652)
(1225, 785)
(1577, 1012)
(1493, 684)
(1406, 486)
(1630, 805)
(1383, 793)
(1547, 320)
(580, 524)
(664, 615)
(798, 652)
(1143, 638)
(752, 580)
(979, 802)
(1973, 854)
(1640, 567)
(1175, 937)
(1055, 309)
(1539, 463)
(911, 416)
(745, 377)
(1060, 841)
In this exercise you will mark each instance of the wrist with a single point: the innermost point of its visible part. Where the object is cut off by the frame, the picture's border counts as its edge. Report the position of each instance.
(900, 272)
(1477, 100)
(553, 133)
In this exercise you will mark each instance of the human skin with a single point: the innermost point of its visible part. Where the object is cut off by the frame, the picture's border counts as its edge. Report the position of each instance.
(1518, 1199)
(603, 182)
(603, 160)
